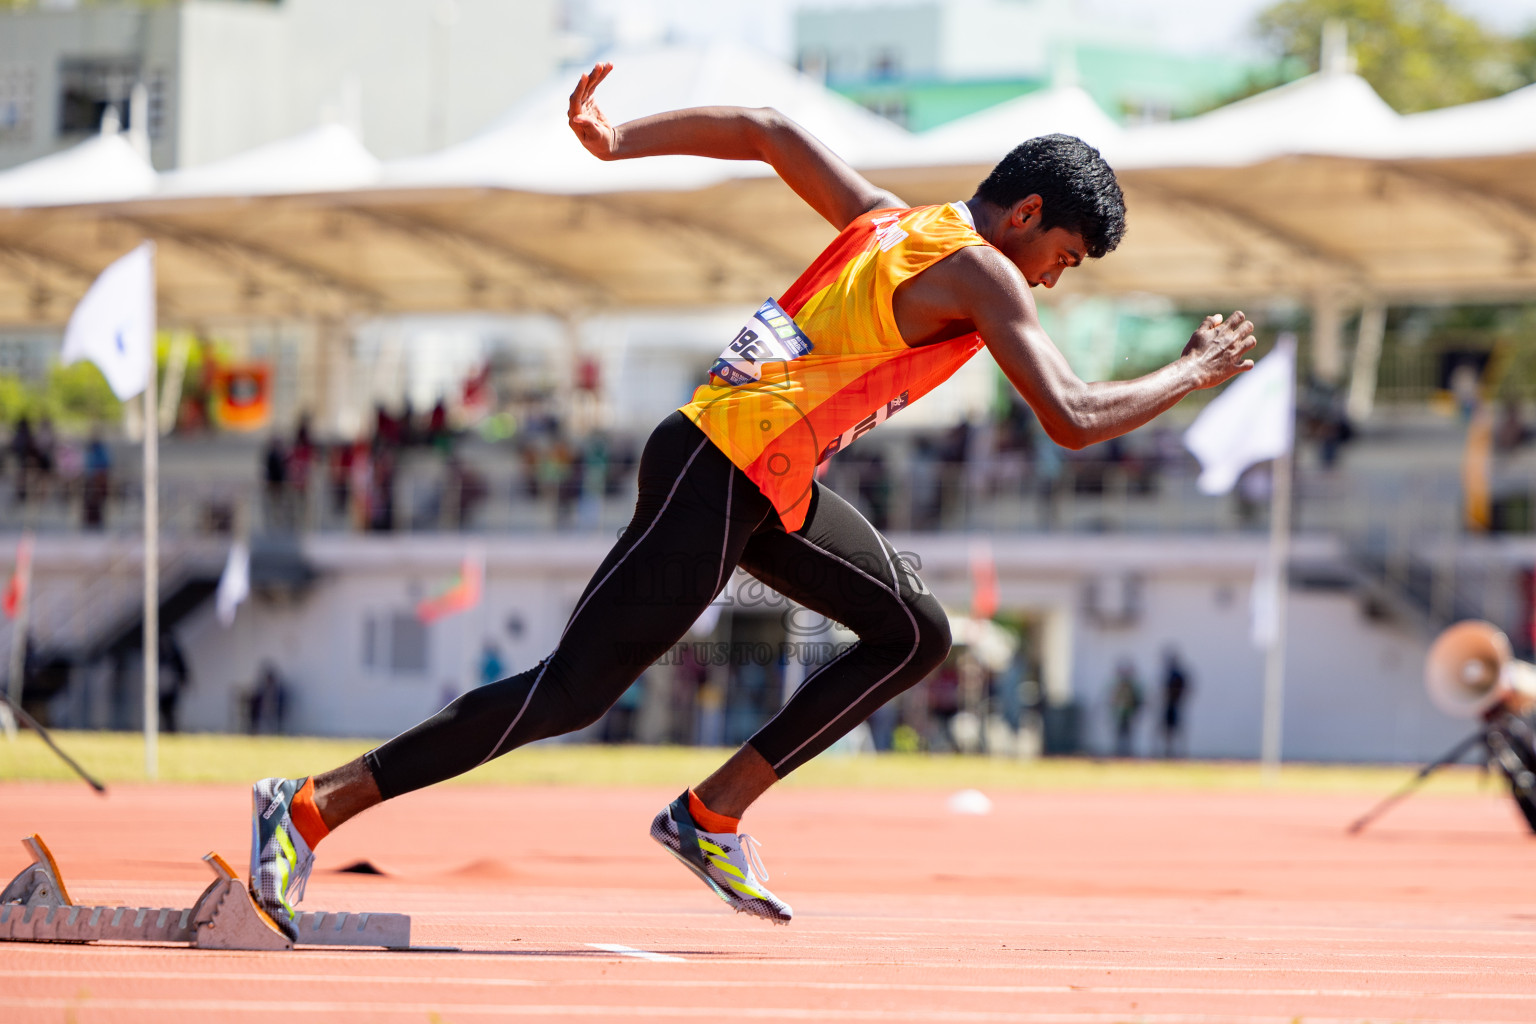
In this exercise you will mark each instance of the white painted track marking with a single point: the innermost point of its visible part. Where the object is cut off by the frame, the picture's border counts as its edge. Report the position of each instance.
(958, 988)
(639, 954)
(924, 1015)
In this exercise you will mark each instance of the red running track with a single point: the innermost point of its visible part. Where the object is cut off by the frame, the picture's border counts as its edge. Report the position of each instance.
(1058, 907)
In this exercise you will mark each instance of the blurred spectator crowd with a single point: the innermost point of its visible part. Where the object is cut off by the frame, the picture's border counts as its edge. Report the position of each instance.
(415, 471)
(358, 484)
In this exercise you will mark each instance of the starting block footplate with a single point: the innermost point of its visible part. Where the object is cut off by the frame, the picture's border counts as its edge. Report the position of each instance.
(35, 907)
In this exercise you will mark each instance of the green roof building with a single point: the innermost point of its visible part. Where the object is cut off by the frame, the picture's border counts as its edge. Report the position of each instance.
(926, 63)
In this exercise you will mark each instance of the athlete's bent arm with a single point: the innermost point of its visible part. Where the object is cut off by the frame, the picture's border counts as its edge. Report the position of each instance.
(1074, 413)
(817, 175)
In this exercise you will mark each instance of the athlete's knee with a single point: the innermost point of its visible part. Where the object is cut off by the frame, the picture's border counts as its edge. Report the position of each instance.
(565, 714)
(570, 705)
(933, 636)
(914, 635)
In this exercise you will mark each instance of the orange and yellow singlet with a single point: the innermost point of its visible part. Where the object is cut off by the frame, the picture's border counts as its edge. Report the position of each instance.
(826, 364)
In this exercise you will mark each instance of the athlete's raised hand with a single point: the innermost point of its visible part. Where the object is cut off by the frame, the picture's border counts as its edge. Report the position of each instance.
(830, 186)
(588, 122)
(1215, 351)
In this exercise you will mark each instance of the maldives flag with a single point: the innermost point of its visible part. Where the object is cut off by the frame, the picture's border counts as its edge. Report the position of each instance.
(16, 589)
(462, 595)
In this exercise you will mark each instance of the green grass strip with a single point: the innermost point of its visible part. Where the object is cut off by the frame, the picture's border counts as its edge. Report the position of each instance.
(204, 757)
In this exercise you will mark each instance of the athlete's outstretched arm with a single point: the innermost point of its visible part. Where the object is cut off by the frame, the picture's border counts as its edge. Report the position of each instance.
(819, 176)
(1076, 414)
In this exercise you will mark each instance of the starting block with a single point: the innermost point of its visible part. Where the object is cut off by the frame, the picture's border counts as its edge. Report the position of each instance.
(35, 907)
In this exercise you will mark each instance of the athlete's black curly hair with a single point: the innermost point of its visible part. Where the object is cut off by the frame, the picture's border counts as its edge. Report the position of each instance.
(1077, 189)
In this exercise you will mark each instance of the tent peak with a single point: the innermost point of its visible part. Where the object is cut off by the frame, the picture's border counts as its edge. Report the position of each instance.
(103, 168)
(326, 158)
(1320, 91)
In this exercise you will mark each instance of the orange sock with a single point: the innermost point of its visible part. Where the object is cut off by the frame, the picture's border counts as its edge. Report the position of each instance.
(707, 819)
(306, 816)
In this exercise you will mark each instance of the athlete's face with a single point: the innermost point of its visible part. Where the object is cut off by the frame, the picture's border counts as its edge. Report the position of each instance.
(1042, 256)
(1051, 254)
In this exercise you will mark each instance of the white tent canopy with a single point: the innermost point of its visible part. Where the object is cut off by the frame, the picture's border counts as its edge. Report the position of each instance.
(329, 158)
(1313, 189)
(1326, 114)
(532, 149)
(1498, 127)
(983, 137)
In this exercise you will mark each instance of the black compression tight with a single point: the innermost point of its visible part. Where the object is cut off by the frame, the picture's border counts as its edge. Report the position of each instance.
(696, 519)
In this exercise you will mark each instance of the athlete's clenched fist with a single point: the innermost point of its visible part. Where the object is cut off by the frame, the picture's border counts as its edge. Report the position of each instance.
(1215, 351)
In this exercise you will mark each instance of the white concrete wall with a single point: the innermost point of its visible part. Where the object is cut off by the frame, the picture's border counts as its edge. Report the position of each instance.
(1354, 686)
(851, 38)
(992, 39)
(317, 642)
(32, 43)
(412, 75)
(1354, 689)
(233, 66)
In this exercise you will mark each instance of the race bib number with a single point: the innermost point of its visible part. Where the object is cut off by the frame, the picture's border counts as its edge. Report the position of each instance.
(770, 336)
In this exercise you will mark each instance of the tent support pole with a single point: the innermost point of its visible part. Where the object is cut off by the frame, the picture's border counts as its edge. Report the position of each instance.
(1362, 377)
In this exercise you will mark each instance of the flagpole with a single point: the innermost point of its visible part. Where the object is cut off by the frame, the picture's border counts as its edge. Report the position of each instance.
(1279, 578)
(151, 573)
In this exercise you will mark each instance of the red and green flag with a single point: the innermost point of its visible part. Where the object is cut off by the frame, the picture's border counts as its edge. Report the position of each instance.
(461, 595)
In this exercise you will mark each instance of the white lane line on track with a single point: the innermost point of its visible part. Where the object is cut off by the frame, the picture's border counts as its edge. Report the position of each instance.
(500, 981)
(923, 1015)
(816, 986)
(768, 960)
(638, 954)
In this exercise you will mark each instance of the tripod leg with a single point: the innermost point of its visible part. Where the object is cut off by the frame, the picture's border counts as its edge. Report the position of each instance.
(1450, 757)
(33, 724)
(1516, 761)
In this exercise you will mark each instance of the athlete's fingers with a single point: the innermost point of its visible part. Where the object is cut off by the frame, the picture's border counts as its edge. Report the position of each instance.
(1246, 364)
(591, 80)
(581, 96)
(578, 97)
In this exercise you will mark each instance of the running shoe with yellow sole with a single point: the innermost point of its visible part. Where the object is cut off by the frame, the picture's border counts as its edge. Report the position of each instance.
(726, 862)
(280, 858)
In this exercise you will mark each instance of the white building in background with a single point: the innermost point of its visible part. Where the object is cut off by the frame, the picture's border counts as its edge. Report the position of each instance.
(935, 39)
(357, 662)
(226, 75)
(923, 63)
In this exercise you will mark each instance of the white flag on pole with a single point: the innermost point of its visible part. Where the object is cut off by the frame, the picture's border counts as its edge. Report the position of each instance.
(235, 584)
(1251, 421)
(114, 325)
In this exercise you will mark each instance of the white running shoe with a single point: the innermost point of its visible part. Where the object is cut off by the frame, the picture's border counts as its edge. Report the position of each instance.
(280, 858)
(726, 862)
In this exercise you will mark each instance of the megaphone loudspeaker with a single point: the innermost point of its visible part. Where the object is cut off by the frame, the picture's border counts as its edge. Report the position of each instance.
(1471, 670)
